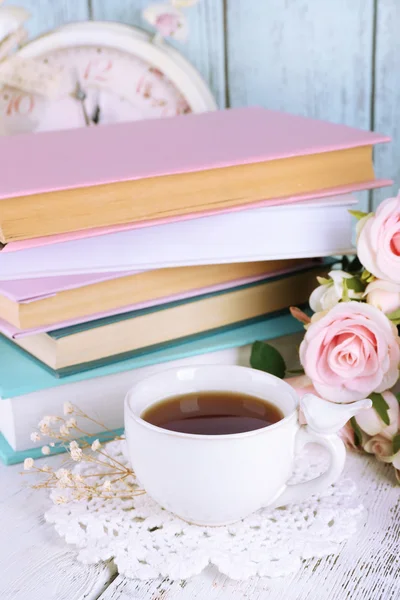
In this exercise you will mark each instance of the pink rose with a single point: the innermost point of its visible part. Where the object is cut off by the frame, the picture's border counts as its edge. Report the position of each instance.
(167, 23)
(381, 447)
(370, 422)
(385, 295)
(378, 241)
(348, 436)
(396, 461)
(350, 352)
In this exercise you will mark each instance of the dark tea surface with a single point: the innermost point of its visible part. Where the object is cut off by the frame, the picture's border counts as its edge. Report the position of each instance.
(212, 413)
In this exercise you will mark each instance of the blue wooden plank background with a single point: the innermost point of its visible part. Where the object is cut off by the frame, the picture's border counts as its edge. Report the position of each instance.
(332, 59)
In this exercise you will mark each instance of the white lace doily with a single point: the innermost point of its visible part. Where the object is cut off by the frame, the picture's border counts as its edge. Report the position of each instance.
(146, 541)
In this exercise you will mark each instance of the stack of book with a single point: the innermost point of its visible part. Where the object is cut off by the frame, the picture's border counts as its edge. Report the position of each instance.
(133, 247)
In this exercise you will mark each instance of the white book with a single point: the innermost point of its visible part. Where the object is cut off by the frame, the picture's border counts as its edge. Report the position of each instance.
(314, 228)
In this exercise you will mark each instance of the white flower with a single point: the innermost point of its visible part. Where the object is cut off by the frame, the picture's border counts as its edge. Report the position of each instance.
(68, 408)
(46, 450)
(60, 500)
(63, 475)
(76, 454)
(28, 464)
(64, 431)
(107, 485)
(44, 427)
(35, 437)
(73, 445)
(328, 294)
(370, 422)
(385, 295)
(71, 423)
(96, 445)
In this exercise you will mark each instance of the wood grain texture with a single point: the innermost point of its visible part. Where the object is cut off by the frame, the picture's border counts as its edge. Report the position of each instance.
(308, 57)
(47, 14)
(205, 46)
(367, 568)
(35, 563)
(387, 94)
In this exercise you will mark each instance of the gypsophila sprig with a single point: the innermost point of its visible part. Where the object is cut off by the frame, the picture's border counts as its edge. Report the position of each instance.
(113, 480)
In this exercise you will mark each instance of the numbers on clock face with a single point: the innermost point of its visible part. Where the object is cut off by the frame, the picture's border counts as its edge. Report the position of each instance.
(97, 70)
(19, 104)
(117, 86)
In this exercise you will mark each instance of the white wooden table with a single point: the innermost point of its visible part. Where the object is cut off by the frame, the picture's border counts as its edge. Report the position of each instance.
(35, 564)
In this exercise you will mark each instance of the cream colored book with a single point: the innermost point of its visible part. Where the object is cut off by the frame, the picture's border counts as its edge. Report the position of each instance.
(51, 300)
(92, 344)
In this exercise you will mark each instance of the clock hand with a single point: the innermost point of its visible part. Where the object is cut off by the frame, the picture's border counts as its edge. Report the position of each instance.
(80, 95)
(96, 115)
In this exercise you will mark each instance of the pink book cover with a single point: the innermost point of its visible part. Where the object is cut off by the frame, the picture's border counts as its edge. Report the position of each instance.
(27, 288)
(157, 147)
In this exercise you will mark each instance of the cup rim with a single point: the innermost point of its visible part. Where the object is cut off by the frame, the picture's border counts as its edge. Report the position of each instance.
(199, 436)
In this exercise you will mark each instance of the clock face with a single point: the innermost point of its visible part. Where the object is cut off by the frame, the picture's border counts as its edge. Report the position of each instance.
(102, 85)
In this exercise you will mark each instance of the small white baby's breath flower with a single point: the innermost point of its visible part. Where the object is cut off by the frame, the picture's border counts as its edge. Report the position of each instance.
(44, 427)
(61, 473)
(96, 445)
(71, 423)
(107, 485)
(35, 437)
(76, 454)
(60, 500)
(77, 478)
(64, 430)
(73, 445)
(45, 450)
(28, 464)
(68, 408)
(52, 444)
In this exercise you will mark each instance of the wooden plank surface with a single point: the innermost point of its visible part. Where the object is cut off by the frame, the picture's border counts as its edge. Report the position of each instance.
(47, 14)
(387, 94)
(35, 564)
(309, 57)
(367, 569)
(205, 46)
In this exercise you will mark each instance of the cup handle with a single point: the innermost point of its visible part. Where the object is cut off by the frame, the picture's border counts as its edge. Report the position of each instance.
(301, 491)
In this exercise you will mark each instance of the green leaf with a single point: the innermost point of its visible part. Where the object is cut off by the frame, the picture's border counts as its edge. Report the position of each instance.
(266, 358)
(324, 281)
(394, 316)
(365, 275)
(295, 372)
(354, 284)
(396, 443)
(345, 293)
(358, 214)
(381, 406)
(398, 397)
(357, 432)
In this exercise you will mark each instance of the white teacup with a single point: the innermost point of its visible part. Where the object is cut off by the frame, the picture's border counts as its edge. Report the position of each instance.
(219, 479)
